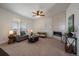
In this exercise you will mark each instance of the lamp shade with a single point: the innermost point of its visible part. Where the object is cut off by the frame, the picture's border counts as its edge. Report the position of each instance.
(31, 30)
(10, 32)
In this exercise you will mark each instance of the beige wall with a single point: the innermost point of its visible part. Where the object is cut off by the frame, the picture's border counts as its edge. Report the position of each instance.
(43, 24)
(59, 22)
(5, 20)
(50, 24)
(74, 9)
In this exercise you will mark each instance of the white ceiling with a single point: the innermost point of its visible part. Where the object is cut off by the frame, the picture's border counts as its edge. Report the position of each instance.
(26, 9)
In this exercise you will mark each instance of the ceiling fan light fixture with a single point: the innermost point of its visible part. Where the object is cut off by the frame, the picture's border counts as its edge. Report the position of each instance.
(38, 16)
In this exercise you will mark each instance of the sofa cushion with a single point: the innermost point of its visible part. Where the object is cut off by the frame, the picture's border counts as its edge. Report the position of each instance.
(22, 33)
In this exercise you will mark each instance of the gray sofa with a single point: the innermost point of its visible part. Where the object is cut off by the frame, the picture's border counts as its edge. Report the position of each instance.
(21, 37)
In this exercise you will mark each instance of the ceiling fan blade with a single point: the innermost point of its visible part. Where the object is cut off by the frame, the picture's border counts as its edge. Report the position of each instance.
(42, 15)
(34, 13)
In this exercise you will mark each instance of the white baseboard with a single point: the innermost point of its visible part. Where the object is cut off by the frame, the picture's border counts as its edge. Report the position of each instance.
(2, 42)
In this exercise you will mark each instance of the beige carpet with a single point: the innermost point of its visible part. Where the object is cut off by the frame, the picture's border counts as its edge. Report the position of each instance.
(44, 47)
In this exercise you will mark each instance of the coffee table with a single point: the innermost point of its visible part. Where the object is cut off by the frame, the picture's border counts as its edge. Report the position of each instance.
(33, 39)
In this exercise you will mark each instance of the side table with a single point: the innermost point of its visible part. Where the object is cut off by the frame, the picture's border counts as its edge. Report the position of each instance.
(72, 47)
(12, 39)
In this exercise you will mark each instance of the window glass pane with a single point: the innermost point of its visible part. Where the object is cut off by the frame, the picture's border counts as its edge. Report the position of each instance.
(14, 25)
(23, 26)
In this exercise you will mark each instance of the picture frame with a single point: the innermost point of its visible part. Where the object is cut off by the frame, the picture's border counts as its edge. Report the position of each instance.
(71, 23)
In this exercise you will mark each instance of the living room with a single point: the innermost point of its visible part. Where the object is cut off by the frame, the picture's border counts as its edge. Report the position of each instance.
(17, 17)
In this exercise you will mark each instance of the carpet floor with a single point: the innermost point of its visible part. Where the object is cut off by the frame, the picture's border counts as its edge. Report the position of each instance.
(43, 47)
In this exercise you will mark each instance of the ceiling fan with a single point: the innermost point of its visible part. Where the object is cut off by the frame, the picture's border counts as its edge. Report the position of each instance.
(38, 13)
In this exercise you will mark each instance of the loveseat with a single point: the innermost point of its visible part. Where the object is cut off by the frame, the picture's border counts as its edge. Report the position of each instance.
(42, 34)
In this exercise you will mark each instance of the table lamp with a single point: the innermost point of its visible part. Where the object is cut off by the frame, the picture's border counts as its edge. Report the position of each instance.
(10, 32)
